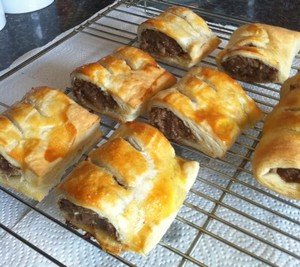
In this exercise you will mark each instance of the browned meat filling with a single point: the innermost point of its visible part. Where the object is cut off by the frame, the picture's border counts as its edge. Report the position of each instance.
(158, 43)
(168, 123)
(8, 169)
(91, 95)
(290, 175)
(87, 217)
(249, 69)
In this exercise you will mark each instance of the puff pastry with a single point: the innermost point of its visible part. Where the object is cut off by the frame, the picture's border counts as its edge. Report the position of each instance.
(177, 36)
(40, 137)
(120, 84)
(128, 205)
(206, 110)
(260, 53)
(276, 160)
(290, 84)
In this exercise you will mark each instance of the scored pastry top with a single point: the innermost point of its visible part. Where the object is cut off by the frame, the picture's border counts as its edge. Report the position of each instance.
(274, 47)
(290, 84)
(129, 75)
(40, 129)
(181, 24)
(210, 97)
(287, 111)
(189, 31)
(136, 182)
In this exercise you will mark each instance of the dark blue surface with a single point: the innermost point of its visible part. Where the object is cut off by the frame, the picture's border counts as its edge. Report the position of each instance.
(283, 13)
(24, 32)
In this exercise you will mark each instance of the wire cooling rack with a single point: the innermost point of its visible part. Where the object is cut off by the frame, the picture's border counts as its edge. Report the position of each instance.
(227, 218)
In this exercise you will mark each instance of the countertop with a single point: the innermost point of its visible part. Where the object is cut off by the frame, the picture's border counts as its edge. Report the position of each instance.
(24, 32)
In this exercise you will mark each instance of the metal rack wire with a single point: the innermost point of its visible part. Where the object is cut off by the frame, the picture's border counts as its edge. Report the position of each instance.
(230, 177)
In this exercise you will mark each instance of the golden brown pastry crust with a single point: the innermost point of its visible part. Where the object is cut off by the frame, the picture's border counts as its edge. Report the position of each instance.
(214, 107)
(279, 146)
(130, 76)
(135, 181)
(42, 135)
(188, 29)
(274, 46)
(290, 84)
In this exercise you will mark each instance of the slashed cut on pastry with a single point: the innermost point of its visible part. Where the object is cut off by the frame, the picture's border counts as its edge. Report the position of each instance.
(290, 84)
(276, 160)
(129, 190)
(206, 110)
(260, 53)
(177, 35)
(41, 136)
(120, 84)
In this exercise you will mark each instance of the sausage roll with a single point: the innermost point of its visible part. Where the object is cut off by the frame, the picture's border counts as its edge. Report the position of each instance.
(129, 190)
(40, 137)
(206, 110)
(276, 160)
(177, 36)
(260, 53)
(120, 84)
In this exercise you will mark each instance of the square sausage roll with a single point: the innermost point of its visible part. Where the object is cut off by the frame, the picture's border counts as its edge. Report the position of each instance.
(119, 85)
(40, 137)
(129, 190)
(206, 110)
(260, 53)
(178, 36)
(276, 160)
